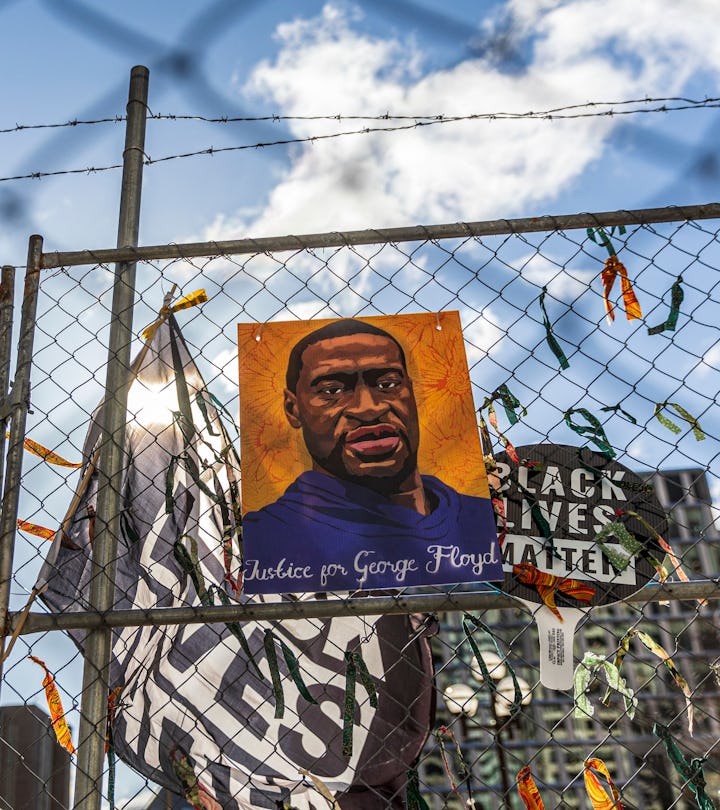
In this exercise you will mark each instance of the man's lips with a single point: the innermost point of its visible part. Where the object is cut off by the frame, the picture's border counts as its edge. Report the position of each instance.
(373, 440)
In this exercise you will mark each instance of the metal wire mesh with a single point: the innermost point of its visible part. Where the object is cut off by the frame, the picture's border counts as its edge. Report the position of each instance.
(495, 283)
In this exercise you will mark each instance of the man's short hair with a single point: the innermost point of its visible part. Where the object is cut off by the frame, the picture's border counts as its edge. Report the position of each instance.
(343, 328)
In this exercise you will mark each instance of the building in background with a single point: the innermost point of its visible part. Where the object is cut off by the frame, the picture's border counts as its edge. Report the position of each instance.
(545, 733)
(34, 768)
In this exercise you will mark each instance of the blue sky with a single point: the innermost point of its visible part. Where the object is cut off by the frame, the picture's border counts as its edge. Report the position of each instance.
(66, 60)
(71, 60)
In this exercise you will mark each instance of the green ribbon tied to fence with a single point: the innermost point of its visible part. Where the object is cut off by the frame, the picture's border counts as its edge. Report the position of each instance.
(236, 629)
(469, 623)
(539, 520)
(618, 409)
(601, 236)
(676, 298)
(190, 565)
(550, 337)
(441, 734)
(413, 797)
(593, 430)
(691, 772)
(630, 545)
(628, 542)
(590, 665)
(683, 414)
(511, 404)
(509, 401)
(293, 668)
(355, 669)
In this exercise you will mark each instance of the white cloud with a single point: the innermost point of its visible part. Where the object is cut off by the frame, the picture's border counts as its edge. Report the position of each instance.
(663, 44)
(710, 361)
(304, 311)
(226, 363)
(639, 451)
(579, 51)
(482, 333)
(561, 283)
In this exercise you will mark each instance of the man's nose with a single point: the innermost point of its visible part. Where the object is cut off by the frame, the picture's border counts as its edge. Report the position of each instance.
(366, 403)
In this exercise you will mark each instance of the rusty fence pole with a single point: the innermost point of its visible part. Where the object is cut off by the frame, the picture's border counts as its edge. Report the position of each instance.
(7, 298)
(15, 406)
(98, 642)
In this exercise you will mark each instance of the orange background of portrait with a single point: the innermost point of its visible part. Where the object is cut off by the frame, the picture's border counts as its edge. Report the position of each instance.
(273, 454)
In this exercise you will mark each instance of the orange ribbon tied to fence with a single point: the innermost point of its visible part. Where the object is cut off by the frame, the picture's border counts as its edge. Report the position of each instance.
(528, 790)
(46, 454)
(596, 791)
(36, 529)
(613, 267)
(57, 713)
(548, 585)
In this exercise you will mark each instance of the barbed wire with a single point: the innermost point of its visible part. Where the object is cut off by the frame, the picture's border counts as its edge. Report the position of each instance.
(556, 112)
(116, 119)
(211, 150)
(687, 103)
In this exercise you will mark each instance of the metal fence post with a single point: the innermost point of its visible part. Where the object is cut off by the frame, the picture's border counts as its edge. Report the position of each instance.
(98, 646)
(7, 297)
(17, 405)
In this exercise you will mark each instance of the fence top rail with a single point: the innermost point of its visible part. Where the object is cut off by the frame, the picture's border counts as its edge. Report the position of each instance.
(326, 608)
(275, 244)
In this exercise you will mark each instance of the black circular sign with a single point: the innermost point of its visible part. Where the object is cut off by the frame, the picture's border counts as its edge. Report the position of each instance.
(557, 502)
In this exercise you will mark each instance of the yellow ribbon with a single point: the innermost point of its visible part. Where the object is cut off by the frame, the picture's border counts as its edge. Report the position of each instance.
(596, 791)
(321, 788)
(187, 301)
(683, 414)
(659, 651)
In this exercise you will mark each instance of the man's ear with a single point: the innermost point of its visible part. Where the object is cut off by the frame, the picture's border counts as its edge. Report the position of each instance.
(291, 409)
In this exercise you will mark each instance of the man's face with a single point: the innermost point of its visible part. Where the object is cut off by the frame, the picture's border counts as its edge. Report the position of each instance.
(355, 404)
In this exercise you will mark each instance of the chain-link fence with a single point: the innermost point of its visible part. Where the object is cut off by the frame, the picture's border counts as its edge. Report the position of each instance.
(186, 683)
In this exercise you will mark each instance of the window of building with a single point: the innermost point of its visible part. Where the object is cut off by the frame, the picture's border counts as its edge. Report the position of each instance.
(676, 491)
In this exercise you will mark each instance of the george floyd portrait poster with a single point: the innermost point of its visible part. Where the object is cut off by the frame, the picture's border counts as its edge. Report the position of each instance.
(361, 460)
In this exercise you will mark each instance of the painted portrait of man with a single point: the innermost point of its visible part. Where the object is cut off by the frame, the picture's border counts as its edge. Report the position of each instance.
(362, 514)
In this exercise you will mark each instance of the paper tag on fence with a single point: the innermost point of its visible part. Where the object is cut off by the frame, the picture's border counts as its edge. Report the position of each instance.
(557, 665)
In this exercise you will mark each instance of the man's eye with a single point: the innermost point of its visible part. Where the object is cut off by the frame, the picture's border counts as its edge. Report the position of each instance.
(332, 390)
(385, 385)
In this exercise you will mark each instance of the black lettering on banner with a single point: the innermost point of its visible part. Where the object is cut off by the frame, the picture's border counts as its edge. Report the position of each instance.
(557, 500)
